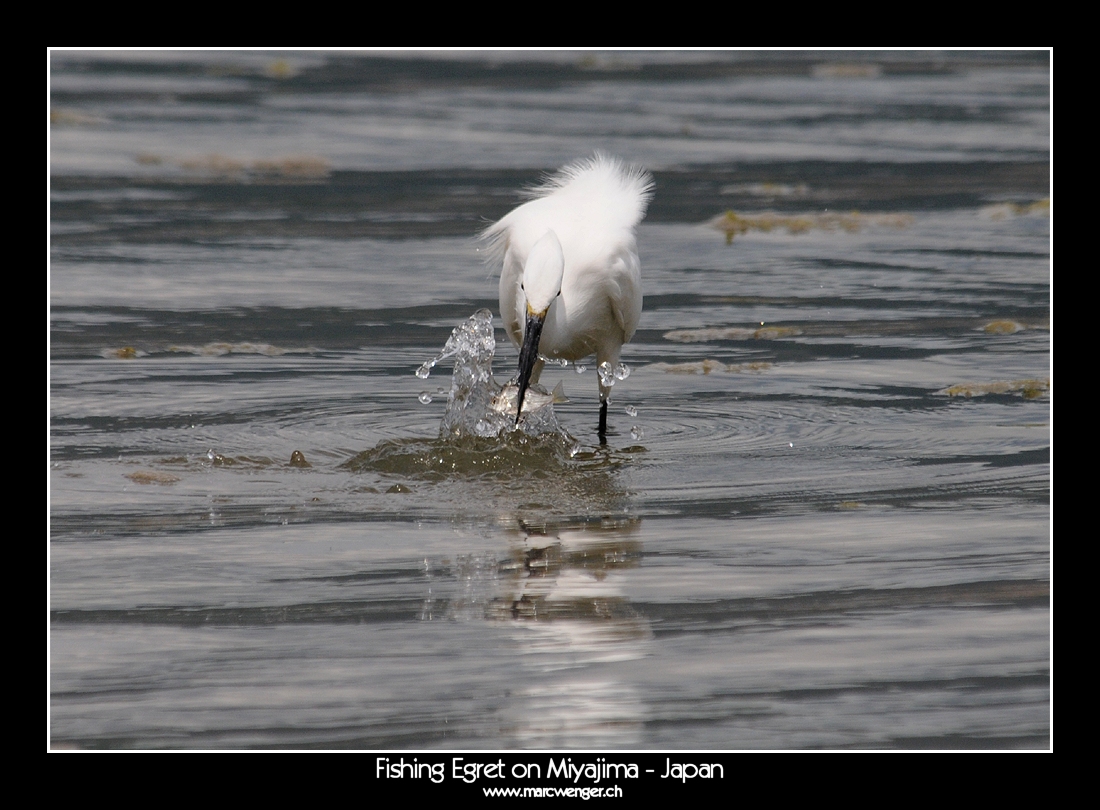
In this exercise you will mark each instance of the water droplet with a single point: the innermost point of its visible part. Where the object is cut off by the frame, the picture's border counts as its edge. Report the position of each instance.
(631, 410)
(425, 370)
(580, 368)
(790, 444)
(210, 454)
(576, 448)
(425, 397)
(636, 432)
(607, 377)
(622, 371)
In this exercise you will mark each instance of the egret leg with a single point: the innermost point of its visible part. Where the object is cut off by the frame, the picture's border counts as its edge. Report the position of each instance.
(602, 430)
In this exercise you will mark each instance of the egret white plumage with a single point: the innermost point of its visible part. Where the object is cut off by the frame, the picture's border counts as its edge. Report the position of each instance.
(571, 282)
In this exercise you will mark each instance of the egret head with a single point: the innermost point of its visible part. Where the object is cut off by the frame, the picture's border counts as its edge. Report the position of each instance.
(542, 275)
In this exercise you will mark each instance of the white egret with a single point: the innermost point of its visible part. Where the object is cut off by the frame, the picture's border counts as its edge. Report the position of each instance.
(570, 282)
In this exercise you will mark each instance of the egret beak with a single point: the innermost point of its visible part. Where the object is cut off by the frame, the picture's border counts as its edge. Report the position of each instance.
(528, 354)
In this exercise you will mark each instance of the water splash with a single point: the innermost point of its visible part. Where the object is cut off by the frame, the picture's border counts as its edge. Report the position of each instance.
(473, 402)
(536, 465)
(473, 341)
(482, 460)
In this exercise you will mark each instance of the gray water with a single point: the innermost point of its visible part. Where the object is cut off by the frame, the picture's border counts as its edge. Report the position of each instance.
(822, 518)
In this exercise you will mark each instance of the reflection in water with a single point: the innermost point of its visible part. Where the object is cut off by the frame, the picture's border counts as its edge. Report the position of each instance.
(561, 588)
(560, 585)
(578, 714)
(571, 620)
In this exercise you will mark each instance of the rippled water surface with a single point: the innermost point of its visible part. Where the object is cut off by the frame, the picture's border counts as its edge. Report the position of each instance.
(822, 515)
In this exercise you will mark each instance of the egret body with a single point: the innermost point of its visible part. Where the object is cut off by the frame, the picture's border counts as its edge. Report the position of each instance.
(570, 282)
